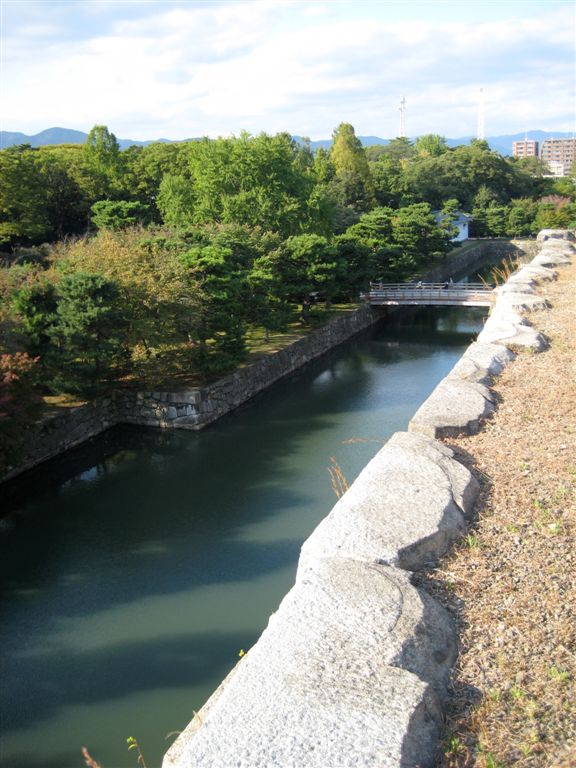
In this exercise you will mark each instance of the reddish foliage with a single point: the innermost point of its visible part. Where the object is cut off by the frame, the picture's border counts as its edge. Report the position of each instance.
(19, 403)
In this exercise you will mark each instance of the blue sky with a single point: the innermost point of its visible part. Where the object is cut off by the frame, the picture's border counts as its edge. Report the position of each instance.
(179, 69)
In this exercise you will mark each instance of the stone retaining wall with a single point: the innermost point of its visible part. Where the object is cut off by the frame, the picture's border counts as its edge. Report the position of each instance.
(196, 407)
(353, 667)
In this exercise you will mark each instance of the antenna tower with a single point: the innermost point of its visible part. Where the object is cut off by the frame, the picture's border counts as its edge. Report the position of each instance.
(402, 109)
(480, 133)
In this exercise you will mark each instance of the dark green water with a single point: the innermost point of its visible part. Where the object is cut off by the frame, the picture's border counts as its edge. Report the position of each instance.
(135, 568)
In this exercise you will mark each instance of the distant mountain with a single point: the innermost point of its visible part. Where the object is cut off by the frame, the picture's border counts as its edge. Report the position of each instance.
(501, 144)
(49, 136)
(61, 136)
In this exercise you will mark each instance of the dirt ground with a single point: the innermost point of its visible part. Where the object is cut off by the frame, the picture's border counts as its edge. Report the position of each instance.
(511, 582)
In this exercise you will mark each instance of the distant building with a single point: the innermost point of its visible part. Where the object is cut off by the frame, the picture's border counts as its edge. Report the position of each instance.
(461, 222)
(559, 154)
(526, 148)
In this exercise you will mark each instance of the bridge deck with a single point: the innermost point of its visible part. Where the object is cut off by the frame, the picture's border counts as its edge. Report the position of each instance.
(430, 294)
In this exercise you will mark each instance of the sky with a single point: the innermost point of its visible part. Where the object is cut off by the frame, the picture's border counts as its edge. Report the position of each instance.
(182, 69)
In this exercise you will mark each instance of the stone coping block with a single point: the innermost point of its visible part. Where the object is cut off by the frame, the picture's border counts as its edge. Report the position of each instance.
(520, 300)
(515, 335)
(340, 677)
(518, 284)
(551, 259)
(456, 407)
(316, 712)
(463, 484)
(482, 362)
(536, 273)
(555, 234)
(405, 508)
(374, 611)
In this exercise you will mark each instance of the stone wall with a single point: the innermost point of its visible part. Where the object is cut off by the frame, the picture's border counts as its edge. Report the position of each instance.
(56, 434)
(353, 667)
(196, 407)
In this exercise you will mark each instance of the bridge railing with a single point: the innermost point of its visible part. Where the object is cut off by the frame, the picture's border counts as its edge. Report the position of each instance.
(473, 287)
(429, 293)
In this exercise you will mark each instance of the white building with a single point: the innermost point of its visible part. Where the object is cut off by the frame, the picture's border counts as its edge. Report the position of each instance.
(461, 222)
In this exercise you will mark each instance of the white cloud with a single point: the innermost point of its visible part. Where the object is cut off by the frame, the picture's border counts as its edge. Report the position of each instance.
(186, 69)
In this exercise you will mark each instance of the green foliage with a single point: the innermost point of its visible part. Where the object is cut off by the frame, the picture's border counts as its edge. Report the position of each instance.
(176, 201)
(86, 335)
(400, 240)
(520, 217)
(36, 304)
(103, 161)
(261, 181)
(118, 214)
(415, 231)
(221, 325)
(399, 149)
(352, 184)
(355, 260)
(160, 298)
(431, 145)
(305, 264)
(23, 197)
(253, 226)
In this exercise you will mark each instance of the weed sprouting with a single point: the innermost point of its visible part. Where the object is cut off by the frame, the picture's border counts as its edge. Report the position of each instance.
(133, 744)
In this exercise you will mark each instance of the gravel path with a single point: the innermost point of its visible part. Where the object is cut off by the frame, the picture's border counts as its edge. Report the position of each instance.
(511, 582)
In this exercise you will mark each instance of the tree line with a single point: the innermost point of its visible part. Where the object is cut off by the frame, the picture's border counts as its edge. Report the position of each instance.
(121, 266)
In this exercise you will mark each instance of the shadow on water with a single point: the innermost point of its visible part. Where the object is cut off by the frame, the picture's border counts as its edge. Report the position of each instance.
(121, 671)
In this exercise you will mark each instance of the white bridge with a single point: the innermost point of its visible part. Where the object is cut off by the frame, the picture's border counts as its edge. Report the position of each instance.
(430, 294)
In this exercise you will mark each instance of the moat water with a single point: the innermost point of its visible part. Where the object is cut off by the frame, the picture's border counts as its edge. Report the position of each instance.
(134, 569)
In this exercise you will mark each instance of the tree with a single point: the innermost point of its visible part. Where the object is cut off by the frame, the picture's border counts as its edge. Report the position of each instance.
(119, 214)
(220, 327)
(103, 163)
(415, 231)
(66, 203)
(176, 201)
(302, 265)
(390, 184)
(352, 183)
(374, 231)
(520, 218)
(145, 167)
(355, 259)
(23, 197)
(431, 145)
(398, 149)
(261, 181)
(161, 301)
(88, 333)
(36, 305)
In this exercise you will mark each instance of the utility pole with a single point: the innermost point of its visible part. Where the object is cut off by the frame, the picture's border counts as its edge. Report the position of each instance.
(402, 109)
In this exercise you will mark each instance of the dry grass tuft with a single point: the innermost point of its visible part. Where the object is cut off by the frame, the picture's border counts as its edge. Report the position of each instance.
(511, 582)
(339, 483)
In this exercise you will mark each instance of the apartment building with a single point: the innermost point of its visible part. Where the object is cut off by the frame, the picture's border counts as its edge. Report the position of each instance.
(526, 148)
(560, 154)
